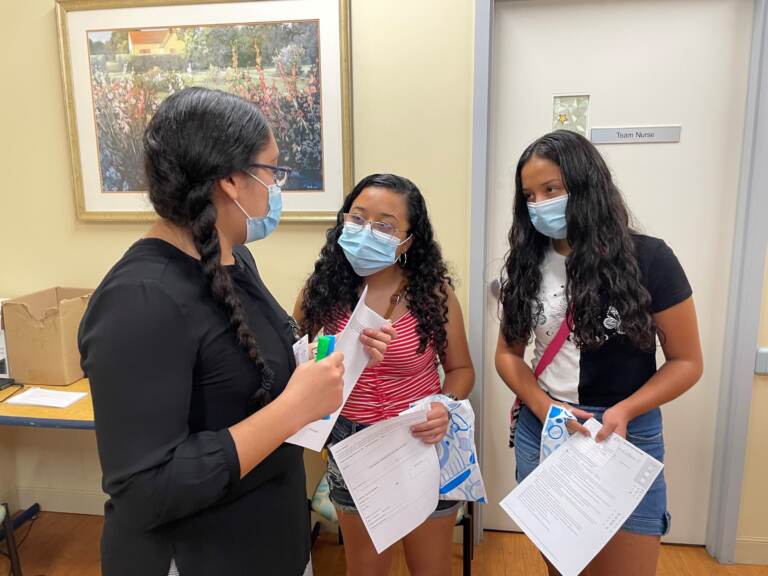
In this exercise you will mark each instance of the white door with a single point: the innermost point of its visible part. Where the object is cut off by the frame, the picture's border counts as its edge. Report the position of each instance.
(643, 62)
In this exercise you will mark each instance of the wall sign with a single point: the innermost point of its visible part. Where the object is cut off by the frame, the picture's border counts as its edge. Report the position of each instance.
(635, 134)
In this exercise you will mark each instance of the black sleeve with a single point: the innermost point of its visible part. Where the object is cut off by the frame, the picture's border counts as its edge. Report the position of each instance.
(139, 354)
(665, 279)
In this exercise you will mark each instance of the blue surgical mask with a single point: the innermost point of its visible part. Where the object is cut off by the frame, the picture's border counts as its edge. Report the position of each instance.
(548, 217)
(367, 252)
(261, 227)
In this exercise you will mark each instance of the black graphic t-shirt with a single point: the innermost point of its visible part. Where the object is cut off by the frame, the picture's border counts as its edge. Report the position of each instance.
(615, 370)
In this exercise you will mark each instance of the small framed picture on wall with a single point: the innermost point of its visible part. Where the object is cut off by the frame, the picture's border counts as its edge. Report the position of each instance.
(121, 58)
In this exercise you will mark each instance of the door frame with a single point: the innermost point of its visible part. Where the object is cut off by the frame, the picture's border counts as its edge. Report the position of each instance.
(746, 275)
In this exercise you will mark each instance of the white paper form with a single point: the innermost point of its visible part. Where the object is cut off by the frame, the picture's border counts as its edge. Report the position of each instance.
(314, 434)
(48, 398)
(393, 477)
(460, 476)
(573, 503)
(301, 350)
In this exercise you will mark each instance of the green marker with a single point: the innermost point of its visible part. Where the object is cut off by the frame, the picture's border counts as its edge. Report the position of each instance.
(325, 345)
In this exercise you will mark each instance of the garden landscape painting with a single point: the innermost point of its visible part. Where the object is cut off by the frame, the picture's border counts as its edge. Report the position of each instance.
(120, 59)
(275, 65)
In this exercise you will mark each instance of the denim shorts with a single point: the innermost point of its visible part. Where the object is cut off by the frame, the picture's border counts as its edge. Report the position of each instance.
(651, 516)
(341, 497)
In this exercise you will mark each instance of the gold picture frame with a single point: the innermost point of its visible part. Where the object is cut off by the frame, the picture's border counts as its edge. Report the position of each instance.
(97, 184)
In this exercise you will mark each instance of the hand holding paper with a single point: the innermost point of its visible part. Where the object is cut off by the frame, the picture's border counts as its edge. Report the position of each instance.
(615, 420)
(392, 477)
(460, 477)
(436, 426)
(315, 434)
(573, 503)
(376, 342)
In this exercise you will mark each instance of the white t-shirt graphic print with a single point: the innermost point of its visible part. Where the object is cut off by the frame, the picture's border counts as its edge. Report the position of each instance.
(616, 369)
(561, 378)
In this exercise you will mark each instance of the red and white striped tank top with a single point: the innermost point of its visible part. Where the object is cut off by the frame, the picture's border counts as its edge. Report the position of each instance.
(403, 377)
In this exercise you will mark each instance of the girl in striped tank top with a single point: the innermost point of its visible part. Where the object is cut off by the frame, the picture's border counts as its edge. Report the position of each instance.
(383, 239)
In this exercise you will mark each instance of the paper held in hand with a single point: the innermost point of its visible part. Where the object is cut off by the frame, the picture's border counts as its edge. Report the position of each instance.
(573, 503)
(393, 477)
(315, 434)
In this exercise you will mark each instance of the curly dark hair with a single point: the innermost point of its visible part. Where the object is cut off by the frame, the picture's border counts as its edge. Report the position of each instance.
(196, 137)
(602, 268)
(334, 286)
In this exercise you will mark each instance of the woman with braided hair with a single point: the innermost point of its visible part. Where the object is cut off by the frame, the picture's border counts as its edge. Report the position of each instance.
(195, 387)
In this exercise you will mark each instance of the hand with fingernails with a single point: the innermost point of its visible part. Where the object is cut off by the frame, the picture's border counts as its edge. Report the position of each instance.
(436, 426)
(376, 342)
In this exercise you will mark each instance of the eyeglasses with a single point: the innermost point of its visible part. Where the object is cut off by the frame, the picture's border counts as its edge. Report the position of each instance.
(279, 173)
(355, 223)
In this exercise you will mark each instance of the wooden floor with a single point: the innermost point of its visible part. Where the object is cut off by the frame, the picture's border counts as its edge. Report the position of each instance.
(68, 545)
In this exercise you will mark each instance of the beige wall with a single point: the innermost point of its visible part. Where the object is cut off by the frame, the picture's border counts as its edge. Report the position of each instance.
(7, 468)
(412, 82)
(752, 535)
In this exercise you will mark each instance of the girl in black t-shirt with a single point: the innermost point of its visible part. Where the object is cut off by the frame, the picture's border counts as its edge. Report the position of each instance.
(575, 263)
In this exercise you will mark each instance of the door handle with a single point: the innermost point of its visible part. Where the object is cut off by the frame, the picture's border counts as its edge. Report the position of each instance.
(496, 288)
(761, 361)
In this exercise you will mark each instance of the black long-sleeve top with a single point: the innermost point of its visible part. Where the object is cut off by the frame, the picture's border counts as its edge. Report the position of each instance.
(168, 378)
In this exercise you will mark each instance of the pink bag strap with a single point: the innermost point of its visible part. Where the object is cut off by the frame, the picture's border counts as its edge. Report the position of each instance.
(554, 345)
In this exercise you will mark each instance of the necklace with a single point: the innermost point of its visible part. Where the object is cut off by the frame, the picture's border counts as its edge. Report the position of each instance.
(396, 297)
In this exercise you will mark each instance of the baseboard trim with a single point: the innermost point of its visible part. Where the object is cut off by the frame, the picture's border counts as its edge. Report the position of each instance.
(751, 550)
(57, 500)
(9, 495)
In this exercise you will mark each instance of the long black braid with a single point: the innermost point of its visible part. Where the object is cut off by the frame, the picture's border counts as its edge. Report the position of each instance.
(196, 137)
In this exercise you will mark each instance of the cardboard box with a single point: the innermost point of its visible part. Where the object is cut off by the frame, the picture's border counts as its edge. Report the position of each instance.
(41, 335)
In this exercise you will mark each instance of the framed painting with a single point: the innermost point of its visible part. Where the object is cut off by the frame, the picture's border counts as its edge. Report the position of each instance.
(121, 58)
(571, 112)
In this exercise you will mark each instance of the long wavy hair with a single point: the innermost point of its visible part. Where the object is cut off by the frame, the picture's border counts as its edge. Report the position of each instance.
(334, 287)
(196, 137)
(602, 269)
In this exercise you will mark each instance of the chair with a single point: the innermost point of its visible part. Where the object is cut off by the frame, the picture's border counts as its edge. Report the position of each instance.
(466, 519)
(321, 504)
(7, 533)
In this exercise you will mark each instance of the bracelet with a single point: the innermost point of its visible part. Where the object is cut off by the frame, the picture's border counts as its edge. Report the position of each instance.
(451, 396)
